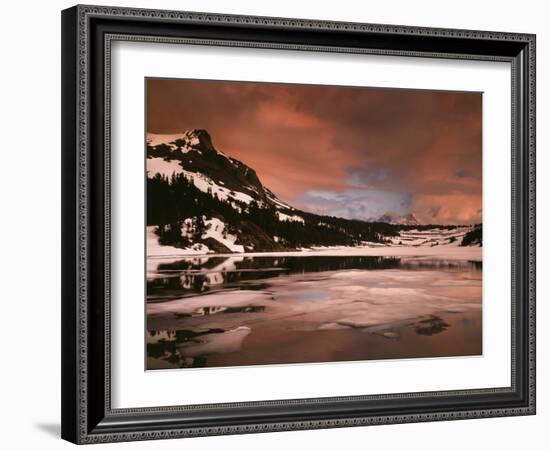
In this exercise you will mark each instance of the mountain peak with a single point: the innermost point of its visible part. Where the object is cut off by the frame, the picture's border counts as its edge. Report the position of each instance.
(195, 138)
(410, 219)
(398, 219)
(194, 153)
(198, 136)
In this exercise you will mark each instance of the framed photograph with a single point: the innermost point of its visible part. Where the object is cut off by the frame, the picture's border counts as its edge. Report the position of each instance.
(279, 224)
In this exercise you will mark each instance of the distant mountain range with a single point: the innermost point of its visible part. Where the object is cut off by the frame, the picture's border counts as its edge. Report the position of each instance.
(201, 199)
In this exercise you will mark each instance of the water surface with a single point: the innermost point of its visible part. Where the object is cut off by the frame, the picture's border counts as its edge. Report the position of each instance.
(233, 311)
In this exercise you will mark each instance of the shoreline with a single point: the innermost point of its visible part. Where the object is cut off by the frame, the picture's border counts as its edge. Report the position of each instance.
(473, 253)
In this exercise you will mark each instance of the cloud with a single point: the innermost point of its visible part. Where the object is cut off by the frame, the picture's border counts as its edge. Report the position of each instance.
(301, 139)
(363, 204)
(361, 177)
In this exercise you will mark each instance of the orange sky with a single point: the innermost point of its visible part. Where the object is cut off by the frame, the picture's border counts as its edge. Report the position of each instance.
(345, 151)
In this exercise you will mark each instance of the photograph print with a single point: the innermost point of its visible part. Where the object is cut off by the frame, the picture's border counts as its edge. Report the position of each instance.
(296, 223)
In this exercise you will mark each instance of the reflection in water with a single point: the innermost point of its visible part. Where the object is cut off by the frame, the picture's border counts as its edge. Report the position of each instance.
(431, 326)
(193, 276)
(225, 311)
(165, 347)
(208, 310)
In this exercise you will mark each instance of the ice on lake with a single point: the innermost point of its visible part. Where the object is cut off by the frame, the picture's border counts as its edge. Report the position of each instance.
(247, 310)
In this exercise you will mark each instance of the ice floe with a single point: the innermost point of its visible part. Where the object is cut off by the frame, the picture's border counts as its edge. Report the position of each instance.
(351, 298)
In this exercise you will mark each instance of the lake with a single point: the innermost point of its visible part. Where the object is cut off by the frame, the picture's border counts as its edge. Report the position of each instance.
(215, 311)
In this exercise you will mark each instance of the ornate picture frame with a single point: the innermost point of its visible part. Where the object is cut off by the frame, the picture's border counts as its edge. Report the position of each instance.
(88, 33)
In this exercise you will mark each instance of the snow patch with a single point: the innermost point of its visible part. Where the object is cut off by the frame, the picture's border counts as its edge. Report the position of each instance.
(201, 182)
(286, 218)
(155, 249)
(205, 184)
(216, 229)
(163, 167)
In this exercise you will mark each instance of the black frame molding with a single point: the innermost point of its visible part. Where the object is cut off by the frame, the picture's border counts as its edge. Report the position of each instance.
(87, 34)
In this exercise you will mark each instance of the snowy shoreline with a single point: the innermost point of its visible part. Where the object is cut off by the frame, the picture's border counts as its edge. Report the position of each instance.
(468, 253)
(433, 243)
(158, 254)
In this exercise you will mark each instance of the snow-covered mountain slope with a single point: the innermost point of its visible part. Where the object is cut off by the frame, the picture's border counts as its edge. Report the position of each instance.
(193, 154)
(213, 236)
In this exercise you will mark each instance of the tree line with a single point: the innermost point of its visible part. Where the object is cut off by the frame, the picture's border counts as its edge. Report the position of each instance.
(171, 200)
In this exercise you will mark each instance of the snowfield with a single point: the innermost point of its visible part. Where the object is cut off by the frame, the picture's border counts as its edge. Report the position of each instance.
(201, 182)
(205, 184)
(215, 229)
(163, 167)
